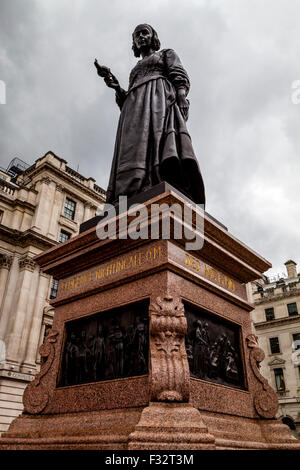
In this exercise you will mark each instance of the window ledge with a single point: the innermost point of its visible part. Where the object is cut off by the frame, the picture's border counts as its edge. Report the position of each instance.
(68, 223)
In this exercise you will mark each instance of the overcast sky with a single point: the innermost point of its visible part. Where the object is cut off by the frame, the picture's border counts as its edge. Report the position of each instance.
(242, 57)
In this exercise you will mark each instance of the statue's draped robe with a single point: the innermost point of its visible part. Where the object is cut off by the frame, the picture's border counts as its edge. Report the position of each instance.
(152, 142)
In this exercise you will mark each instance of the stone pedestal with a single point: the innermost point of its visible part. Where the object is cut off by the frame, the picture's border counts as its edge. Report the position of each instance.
(151, 347)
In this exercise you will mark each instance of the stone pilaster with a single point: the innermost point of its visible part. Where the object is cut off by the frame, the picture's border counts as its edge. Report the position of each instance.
(37, 317)
(5, 265)
(169, 419)
(56, 211)
(19, 309)
(87, 211)
(169, 365)
(8, 294)
(41, 220)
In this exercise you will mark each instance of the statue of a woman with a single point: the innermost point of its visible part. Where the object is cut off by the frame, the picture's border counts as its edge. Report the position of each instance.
(152, 142)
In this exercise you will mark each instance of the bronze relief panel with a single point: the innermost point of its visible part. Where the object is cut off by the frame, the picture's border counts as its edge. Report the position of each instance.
(213, 348)
(106, 346)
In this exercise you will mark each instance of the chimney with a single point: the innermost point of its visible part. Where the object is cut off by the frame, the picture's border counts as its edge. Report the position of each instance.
(291, 268)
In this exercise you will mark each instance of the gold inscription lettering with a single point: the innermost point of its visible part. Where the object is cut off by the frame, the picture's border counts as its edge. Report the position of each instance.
(187, 259)
(156, 252)
(118, 266)
(210, 273)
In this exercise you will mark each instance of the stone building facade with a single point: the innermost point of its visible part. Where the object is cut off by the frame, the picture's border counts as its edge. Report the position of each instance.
(276, 322)
(40, 205)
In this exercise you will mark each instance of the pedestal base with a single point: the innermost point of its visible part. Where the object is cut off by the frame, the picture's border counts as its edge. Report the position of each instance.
(170, 426)
(151, 346)
(159, 426)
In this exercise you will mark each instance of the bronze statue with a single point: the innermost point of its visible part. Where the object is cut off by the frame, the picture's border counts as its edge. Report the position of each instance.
(152, 142)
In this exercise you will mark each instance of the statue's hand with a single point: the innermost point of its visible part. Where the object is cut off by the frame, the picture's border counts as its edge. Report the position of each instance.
(112, 82)
(184, 105)
(108, 77)
(102, 71)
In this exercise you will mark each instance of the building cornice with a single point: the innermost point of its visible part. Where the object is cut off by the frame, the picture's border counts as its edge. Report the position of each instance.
(27, 238)
(277, 322)
(274, 298)
(18, 202)
(62, 175)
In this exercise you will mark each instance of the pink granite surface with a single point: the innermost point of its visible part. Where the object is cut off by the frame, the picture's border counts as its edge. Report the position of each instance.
(97, 276)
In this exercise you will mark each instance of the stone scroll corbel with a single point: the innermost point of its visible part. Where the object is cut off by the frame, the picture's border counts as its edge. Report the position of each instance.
(169, 370)
(265, 400)
(36, 395)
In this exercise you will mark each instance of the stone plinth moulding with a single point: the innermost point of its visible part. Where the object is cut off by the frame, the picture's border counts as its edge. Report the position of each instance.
(265, 400)
(169, 370)
(36, 395)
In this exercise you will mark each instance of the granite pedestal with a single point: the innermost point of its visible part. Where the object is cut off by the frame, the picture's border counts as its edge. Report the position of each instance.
(151, 347)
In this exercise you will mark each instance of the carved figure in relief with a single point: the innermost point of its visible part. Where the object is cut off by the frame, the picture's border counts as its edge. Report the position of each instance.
(214, 362)
(98, 354)
(103, 347)
(219, 354)
(115, 356)
(206, 349)
(72, 361)
(139, 347)
(189, 353)
(84, 354)
(199, 345)
(210, 352)
(230, 366)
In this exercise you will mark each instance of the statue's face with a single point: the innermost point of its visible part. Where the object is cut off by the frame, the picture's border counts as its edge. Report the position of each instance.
(142, 36)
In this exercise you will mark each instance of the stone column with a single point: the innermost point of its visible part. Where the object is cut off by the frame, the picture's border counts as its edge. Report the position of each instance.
(19, 308)
(9, 296)
(43, 211)
(5, 264)
(37, 318)
(56, 211)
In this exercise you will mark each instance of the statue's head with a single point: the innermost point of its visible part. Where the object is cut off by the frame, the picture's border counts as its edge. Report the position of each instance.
(144, 35)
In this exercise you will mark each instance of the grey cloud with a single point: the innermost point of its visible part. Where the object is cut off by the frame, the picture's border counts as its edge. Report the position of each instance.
(241, 57)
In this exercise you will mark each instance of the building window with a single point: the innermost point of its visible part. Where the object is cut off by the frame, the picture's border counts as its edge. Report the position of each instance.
(47, 328)
(274, 345)
(69, 210)
(292, 309)
(269, 314)
(64, 236)
(279, 380)
(54, 288)
(296, 340)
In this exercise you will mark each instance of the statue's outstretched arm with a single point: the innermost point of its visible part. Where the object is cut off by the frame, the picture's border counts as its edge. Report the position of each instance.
(112, 82)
